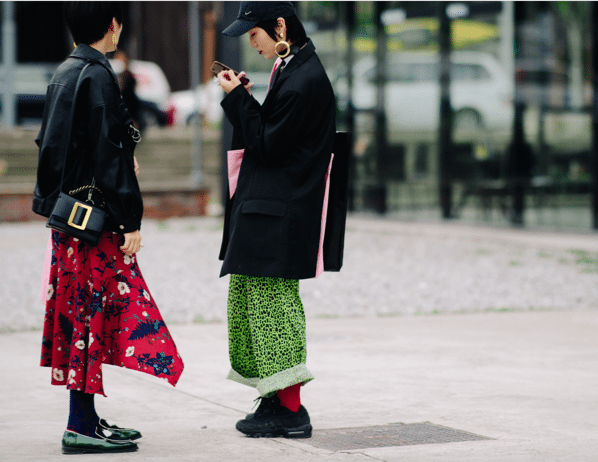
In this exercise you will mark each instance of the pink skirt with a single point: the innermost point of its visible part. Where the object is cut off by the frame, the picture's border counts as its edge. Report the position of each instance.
(100, 311)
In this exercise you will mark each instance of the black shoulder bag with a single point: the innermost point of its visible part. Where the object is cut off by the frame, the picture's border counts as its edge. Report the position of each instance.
(71, 216)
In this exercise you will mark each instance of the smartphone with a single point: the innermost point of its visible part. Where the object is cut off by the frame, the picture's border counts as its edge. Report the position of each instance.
(218, 67)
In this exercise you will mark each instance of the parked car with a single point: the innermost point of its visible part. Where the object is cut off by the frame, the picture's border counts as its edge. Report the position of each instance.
(206, 99)
(31, 84)
(481, 91)
(152, 89)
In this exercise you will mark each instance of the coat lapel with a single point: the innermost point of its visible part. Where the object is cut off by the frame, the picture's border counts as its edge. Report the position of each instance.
(303, 55)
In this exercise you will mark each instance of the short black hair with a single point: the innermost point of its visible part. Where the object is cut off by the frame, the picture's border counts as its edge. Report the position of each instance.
(89, 21)
(295, 30)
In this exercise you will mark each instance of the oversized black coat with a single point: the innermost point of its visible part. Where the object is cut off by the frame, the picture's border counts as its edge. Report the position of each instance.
(272, 223)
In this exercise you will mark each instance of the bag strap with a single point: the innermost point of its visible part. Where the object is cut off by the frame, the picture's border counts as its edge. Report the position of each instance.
(95, 61)
(71, 120)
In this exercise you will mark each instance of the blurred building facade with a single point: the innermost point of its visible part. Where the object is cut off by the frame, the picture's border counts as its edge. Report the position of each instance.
(516, 145)
(154, 31)
(520, 148)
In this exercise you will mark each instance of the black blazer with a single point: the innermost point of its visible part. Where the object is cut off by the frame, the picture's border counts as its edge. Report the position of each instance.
(272, 224)
(101, 145)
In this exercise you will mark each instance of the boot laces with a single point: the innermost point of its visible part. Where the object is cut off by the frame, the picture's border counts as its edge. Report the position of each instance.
(264, 405)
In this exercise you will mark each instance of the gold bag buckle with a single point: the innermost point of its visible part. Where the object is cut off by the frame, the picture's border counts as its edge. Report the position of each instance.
(77, 206)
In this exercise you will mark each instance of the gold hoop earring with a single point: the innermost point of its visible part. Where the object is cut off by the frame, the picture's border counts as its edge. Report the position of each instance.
(286, 49)
(114, 40)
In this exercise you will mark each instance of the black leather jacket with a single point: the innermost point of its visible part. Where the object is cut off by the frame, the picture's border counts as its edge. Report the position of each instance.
(101, 145)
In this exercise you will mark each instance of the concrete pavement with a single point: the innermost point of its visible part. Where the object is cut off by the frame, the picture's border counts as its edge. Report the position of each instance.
(527, 380)
(391, 268)
(487, 331)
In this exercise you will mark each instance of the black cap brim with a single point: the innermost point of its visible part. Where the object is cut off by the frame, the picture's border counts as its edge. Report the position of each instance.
(239, 27)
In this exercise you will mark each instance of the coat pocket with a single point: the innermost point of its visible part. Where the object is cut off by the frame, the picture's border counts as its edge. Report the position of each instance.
(265, 207)
(258, 231)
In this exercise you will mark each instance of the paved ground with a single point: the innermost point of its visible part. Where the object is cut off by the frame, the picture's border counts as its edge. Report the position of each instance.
(486, 331)
(391, 268)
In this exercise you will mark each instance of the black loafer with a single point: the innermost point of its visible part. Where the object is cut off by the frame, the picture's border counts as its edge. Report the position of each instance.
(74, 443)
(112, 436)
(126, 433)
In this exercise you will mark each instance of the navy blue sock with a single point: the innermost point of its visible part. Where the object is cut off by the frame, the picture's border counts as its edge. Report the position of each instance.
(82, 414)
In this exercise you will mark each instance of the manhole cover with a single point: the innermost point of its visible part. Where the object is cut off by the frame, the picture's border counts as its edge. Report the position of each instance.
(345, 439)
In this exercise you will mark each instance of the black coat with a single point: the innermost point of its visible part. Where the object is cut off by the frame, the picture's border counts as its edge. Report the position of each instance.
(272, 224)
(101, 145)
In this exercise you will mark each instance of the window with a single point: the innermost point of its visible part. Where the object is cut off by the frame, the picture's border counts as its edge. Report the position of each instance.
(425, 72)
(461, 71)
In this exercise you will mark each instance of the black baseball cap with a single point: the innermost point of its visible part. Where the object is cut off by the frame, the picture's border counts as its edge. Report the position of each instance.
(251, 13)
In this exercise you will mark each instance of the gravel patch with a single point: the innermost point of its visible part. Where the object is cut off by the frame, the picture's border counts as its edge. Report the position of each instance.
(390, 268)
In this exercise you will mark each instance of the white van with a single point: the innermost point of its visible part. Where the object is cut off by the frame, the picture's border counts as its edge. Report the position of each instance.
(481, 91)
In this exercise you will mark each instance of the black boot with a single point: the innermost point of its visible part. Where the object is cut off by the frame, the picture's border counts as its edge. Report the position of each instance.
(265, 404)
(276, 420)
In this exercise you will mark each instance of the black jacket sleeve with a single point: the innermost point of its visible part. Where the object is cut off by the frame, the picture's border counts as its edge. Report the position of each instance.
(269, 137)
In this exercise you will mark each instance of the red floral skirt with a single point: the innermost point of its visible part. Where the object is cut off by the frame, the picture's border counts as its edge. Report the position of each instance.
(100, 311)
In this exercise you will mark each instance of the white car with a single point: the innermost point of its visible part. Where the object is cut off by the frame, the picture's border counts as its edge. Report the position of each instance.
(481, 91)
(206, 99)
(31, 83)
(152, 88)
(152, 84)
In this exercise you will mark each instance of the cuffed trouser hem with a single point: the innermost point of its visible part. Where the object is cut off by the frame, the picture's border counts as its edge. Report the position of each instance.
(236, 377)
(279, 381)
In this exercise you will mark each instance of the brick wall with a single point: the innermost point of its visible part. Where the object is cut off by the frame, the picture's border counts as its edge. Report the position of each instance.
(16, 207)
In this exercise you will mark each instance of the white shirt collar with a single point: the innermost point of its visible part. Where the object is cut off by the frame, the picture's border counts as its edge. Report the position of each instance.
(287, 60)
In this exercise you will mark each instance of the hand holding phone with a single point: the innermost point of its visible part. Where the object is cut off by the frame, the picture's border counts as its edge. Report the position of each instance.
(218, 67)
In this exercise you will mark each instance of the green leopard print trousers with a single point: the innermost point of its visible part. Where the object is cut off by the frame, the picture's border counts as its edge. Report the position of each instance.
(266, 333)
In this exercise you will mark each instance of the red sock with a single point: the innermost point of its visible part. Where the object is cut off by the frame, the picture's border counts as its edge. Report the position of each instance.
(290, 397)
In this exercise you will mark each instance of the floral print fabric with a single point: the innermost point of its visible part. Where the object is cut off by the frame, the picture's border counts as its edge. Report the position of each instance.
(100, 311)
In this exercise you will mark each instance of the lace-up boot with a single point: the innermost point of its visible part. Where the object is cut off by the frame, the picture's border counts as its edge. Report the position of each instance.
(271, 420)
(265, 404)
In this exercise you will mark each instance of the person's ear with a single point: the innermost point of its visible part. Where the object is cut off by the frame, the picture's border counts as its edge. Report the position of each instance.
(280, 26)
